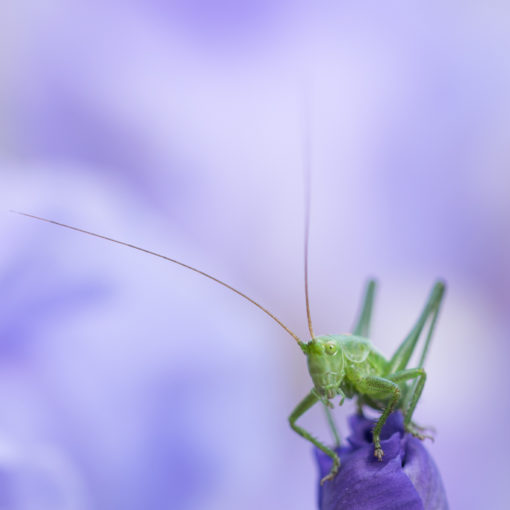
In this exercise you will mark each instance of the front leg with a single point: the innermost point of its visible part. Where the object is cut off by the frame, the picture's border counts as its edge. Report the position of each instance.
(326, 402)
(411, 399)
(301, 409)
(380, 387)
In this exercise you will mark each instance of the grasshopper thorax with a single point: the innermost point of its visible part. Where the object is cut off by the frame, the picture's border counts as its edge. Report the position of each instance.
(327, 356)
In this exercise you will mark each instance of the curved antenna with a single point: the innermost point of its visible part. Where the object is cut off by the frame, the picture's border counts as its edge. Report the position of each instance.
(307, 166)
(217, 280)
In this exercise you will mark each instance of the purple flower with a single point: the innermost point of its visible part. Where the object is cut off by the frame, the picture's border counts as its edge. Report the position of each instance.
(407, 478)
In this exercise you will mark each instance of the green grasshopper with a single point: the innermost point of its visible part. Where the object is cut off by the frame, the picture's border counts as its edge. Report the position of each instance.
(346, 365)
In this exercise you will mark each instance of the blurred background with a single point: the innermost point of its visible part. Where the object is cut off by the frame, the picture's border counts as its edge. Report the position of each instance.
(130, 383)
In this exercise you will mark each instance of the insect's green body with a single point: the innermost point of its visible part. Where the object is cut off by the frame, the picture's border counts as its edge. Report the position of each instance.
(336, 364)
(347, 365)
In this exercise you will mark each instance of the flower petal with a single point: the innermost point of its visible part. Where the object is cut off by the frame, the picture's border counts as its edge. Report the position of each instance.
(407, 477)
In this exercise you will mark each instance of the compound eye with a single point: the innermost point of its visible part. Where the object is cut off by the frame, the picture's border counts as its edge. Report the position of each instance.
(330, 348)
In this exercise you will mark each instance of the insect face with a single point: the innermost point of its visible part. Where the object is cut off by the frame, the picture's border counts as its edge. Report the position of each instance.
(325, 364)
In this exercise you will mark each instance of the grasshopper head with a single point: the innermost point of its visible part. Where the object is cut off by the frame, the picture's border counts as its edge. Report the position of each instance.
(325, 363)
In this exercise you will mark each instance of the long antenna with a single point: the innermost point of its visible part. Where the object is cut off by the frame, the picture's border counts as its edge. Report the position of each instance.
(307, 166)
(293, 335)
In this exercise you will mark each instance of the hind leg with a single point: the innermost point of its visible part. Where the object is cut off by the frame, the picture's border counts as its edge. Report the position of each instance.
(430, 312)
(362, 327)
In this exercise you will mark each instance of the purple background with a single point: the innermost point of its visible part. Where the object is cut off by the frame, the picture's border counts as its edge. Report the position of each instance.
(129, 383)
